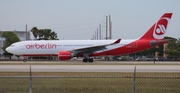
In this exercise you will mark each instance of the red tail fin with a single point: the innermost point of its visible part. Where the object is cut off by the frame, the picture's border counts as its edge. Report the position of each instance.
(158, 30)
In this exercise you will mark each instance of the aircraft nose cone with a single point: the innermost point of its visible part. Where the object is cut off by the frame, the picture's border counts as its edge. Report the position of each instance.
(12, 50)
(7, 49)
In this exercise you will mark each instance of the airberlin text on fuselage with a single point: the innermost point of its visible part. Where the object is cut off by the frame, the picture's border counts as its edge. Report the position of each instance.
(40, 46)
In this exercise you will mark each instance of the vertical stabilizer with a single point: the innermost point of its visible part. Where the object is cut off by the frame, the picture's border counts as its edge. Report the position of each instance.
(158, 30)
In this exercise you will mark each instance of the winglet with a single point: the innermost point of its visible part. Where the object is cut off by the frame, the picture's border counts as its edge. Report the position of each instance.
(117, 41)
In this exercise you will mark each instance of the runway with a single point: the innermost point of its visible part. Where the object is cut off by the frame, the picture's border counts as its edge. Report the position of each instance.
(90, 68)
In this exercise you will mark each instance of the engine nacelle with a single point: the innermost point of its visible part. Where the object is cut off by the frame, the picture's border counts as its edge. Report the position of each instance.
(64, 55)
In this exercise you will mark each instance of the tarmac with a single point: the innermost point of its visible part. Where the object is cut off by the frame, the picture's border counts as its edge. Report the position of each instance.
(99, 66)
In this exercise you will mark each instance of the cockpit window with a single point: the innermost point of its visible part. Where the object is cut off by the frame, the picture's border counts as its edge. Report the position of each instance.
(12, 46)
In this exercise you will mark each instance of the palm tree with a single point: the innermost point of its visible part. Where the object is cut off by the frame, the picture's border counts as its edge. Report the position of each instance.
(34, 30)
(44, 34)
(53, 36)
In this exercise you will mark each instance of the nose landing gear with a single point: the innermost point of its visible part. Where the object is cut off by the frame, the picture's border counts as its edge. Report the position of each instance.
(24, 60)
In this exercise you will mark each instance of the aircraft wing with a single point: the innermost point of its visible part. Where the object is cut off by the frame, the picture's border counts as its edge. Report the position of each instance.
(92, 49)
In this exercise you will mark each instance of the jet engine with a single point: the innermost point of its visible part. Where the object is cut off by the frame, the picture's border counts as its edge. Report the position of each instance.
(65, 55)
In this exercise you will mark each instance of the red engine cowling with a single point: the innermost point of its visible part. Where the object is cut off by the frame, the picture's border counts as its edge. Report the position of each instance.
(64, 55)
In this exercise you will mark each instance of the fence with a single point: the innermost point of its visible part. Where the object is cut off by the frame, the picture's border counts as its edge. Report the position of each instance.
(89, 84)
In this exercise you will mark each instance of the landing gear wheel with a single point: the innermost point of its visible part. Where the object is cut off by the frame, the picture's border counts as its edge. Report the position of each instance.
(24, 60)
(91, 60)
(85, 60)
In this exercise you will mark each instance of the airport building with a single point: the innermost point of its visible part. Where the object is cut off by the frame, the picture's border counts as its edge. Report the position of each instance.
(23, 35)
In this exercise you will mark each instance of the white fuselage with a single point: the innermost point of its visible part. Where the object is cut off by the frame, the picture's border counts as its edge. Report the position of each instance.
(54, 46)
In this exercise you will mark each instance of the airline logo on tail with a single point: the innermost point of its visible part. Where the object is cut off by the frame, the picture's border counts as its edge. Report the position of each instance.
(160, 28)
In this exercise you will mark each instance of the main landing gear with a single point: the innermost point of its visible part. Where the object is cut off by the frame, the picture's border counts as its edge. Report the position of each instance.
(87, 58)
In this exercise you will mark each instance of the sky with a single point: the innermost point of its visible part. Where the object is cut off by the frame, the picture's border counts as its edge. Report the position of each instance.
(79, 19)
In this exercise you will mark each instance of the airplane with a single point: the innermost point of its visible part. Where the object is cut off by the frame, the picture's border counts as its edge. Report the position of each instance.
(67, 49)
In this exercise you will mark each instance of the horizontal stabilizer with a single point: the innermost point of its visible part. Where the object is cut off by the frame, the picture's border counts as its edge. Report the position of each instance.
(157, 42)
